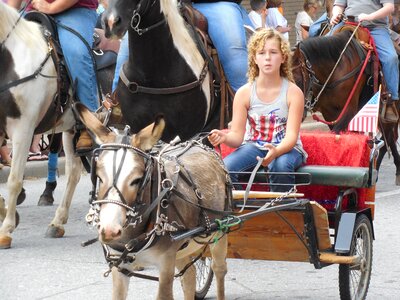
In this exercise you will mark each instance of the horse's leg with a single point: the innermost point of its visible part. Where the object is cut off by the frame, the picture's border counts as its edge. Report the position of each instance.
(20, 143)
(120, 285)
(219, 266)
(396, 156)
(73, 170)
(188, 280)
(166, 278)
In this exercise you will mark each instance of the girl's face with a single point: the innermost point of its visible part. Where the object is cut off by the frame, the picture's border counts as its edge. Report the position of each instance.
(270, 58)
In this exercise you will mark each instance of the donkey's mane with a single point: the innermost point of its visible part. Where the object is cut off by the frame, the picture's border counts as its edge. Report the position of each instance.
(325, 48)
(182, 40)
(29, 32)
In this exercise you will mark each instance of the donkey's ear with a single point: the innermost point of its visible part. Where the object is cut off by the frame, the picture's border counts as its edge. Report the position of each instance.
(146, 138)
(101, 133)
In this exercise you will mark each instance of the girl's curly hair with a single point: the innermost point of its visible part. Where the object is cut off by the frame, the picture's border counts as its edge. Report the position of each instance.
(257, 42)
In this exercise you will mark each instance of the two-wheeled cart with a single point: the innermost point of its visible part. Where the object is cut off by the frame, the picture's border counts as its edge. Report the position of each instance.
(328, 220)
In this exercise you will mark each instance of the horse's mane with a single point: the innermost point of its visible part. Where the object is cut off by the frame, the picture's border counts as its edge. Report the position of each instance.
(182, 39)
(29, 32)
(325, 48)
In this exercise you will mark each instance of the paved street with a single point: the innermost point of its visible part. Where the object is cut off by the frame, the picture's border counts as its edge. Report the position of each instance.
(40, 268)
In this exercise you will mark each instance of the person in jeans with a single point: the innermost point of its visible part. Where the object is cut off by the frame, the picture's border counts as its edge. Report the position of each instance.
(267, 113)
(374, 16)
(81, 16)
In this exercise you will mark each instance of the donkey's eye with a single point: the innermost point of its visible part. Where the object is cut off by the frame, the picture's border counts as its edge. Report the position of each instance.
(135, 182)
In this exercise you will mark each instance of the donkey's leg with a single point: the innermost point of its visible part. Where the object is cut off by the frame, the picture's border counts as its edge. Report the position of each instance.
(188, 280)
(20, 143)
(120, 285)
(73, 170)
(219, 266)
(166, 278)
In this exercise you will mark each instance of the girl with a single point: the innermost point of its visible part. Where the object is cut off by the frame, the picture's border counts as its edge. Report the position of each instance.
(267, 113)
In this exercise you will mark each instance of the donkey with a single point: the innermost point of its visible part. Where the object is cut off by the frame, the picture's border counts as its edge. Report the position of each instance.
(140, 198)
(28, 85)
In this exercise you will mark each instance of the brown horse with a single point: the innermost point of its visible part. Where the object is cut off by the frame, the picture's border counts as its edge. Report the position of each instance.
(139, 199)
(334, 74)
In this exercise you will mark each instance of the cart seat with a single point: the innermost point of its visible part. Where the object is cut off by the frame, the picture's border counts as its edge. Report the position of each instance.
(341, 176)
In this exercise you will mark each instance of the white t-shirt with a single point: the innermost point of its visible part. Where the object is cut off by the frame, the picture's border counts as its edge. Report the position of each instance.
(275, 19)
(302, 18)
(255, 19)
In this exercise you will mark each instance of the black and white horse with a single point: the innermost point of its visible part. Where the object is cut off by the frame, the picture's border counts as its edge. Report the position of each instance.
(140, 198)
(165, 73)
(28, 85)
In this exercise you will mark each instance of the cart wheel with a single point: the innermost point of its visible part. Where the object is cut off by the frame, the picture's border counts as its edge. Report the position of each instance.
(204, 277)
(354, 279)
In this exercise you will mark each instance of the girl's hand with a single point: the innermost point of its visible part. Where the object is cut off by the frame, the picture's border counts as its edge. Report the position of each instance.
(271, 155)
(216, 137)
(42, 6)
(364, 17)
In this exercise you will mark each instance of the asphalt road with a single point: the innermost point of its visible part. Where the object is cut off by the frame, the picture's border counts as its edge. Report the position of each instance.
(40, 268)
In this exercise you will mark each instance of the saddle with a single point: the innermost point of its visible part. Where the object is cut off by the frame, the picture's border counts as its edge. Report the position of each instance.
(104, 57)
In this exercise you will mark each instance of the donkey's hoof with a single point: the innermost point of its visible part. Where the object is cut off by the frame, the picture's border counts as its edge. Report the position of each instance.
(45, 200)
(21, 197)
(5, 242)
(55, 232)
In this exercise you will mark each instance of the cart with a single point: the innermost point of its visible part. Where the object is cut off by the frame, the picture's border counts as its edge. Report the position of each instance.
(329, 220)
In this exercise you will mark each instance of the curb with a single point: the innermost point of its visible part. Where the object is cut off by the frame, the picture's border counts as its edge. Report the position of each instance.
(34, 169)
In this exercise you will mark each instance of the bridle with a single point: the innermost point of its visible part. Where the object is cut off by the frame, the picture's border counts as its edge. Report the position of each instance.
(140, 11)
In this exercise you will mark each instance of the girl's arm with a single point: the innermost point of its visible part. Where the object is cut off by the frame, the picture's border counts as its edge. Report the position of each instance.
(54, 7)
(234, 137)
(381, 13)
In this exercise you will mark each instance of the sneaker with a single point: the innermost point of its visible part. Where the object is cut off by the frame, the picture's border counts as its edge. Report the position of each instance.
(85, 142)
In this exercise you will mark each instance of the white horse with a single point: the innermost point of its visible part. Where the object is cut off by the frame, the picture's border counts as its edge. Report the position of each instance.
(23, 52)
(139, 199)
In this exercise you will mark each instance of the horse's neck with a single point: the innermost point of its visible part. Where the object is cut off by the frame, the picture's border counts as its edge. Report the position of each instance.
(7, 20)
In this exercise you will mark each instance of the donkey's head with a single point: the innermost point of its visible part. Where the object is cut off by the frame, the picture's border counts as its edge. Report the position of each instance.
(121, 169)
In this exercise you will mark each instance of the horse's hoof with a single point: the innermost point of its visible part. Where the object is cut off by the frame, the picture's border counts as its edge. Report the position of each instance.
(5, 242)
(45, 200)
(54, 232)
(21, 197)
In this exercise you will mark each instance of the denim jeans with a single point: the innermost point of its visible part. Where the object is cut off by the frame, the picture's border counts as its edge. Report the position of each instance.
(122, 57)
(76, 54)
(387, 56)
(316, 26)
(225, 27)
(244, 159)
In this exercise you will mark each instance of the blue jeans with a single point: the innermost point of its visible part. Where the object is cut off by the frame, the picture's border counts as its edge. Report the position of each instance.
(244, 159)
(316, 26)
(225, 27)
(122, 57)
(76, 54)
(387, 56)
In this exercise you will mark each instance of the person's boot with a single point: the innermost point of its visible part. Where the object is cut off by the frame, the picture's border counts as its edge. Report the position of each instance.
(85, 142)
(47, 199)
(390, 113)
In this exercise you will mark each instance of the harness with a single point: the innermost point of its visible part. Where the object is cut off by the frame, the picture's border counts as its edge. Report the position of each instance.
(152, 211)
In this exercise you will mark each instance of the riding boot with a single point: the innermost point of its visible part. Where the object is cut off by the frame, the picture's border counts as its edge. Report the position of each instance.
(390, 112)
(85, 142)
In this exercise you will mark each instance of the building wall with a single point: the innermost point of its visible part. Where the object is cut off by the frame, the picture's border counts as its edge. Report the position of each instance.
(290, 9)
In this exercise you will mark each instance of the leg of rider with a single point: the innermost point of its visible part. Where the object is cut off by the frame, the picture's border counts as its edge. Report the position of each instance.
(225, 27)
(243, 159)
(390, 67)
(287, 162)
(122, 57)
(79, 60)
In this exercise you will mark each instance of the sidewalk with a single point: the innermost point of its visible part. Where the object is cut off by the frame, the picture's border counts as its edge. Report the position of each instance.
(38, 169)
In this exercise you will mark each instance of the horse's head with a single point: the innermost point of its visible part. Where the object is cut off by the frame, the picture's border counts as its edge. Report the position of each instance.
(122, 14)
(121, 169)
